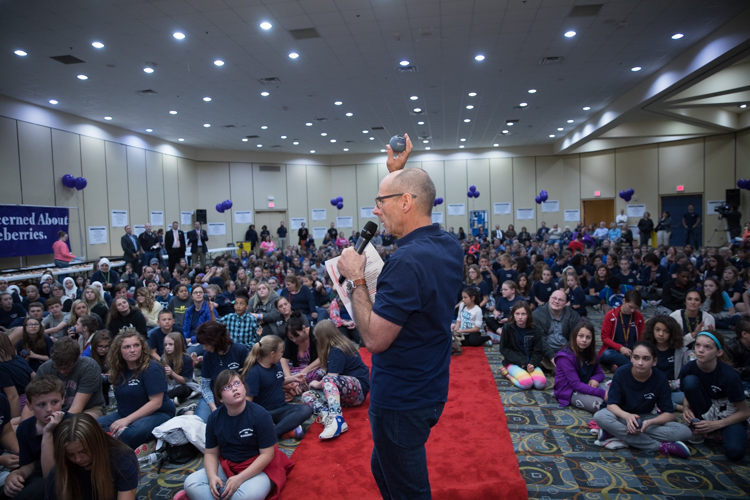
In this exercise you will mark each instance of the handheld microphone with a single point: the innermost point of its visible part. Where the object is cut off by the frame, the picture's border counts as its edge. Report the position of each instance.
(364, 238)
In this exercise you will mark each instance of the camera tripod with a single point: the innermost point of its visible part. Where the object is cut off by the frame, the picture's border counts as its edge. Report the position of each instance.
(718, 230)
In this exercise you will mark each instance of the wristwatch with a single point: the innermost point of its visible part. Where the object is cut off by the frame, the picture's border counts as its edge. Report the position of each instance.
(351, 285)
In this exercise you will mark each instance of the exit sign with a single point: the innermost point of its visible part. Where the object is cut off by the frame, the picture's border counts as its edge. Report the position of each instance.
(270, 205)
(680, 188)
(597, 193)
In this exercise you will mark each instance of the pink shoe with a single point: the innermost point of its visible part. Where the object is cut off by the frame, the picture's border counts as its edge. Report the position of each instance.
(181, 496)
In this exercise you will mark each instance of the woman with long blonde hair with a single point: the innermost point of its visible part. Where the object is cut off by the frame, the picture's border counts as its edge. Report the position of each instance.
(265, 383)
(89, 463)
(346, 382)
(178, 366)
(140, 387)
(148, 305)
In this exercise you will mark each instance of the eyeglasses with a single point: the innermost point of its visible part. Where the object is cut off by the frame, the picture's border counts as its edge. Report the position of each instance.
(102, 347)
(231, 386)
(379, 199)
(32, 325)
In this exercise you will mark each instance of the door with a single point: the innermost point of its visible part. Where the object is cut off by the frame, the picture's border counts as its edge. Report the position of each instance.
(596, 211)
(271, 220)
(478, 218)
(677, 206)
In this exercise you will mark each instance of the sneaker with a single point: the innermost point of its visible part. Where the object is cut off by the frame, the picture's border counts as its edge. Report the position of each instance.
(676, 449)
(299, 433)
(185, 409)
(334, 426)
(176, 401)
(594, 428)
(615, 444)
(604, 436)
(193, 394)
(697, 439)
(181, 496)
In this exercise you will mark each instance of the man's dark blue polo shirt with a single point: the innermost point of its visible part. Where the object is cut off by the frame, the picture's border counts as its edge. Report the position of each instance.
(417, 291)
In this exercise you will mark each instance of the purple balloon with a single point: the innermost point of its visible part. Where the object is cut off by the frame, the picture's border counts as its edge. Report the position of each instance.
(470, 194)
(440, 201)
(68, 181)
(339, 200)
(538, 199)
(229, 204)
(81, 183)
(543, 195)
(340, 205)
(219, 208)
(333, 201)
(743, 184)
(631, 191)
(472, 188)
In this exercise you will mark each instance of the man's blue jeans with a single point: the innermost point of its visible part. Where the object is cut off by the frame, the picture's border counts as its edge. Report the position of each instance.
(138, 432)
(399, 460)
(612, 357)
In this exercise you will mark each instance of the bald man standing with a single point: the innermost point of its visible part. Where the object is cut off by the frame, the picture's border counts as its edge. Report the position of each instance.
(407, 328)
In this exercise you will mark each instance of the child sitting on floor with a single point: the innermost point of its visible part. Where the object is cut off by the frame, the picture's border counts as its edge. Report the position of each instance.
(578, 375)
(467, 328)
(346, 382)
(265, 386)
(665, 333)
(178, 367)
(522, 349)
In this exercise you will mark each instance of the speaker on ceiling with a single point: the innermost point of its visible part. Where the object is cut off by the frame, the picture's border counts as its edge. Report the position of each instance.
(200, 216)
(733, 198)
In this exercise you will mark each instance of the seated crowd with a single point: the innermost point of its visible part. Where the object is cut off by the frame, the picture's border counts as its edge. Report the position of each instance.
(265, 327)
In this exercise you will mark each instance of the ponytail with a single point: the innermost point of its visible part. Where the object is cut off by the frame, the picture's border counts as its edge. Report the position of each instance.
(265, 346)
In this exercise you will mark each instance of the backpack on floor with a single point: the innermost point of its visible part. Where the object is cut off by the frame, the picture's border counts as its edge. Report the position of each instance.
(178, 454)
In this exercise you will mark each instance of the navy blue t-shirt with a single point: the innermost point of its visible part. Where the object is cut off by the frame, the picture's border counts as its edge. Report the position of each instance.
(542, 291)
(156, 339)
(36, 363)
(721, 383)
(640, 397)
(8, 317)
(665, 362)
(353, 366)
(29, 442)
(631, 279)
(187, 371)
(505, 305)
(5, 415)
(578, 298)
(413, 372)
(124, 472)
(233, 359)
(15, 373)
(662, 276)
(626, 321)
(266, 386)
(133, 393)
(242, 436)
(504, 275)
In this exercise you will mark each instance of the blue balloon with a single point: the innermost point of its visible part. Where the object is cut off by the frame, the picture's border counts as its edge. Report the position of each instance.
(219, 208)
(68, 181)
(229, 204)
(543, 195)
(472, 188)
(440, 201)
(80, 183)
(743, 184)
(333, 201)
(340, 205)
(339, 200)
(538, 199)
(476, 194)
(631, 191)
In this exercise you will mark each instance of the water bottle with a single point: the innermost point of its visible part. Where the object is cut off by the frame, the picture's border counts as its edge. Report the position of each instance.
(151, 459)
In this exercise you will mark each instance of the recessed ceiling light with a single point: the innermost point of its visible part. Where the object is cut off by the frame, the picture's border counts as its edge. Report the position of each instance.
(461, 146)
(82, 77)
(346, 149)
(245, 139)
(338, 103)
(636, 68)
(506, 131)
(467, 120)
(293, 55)
(365, 131)
(479, 57)
(173, 112)
(420, 123)
(296, 143)
(97, 45)
(178, 35)
(463, 139)
(323, 134)
(469, 107)
(148, 69)
(372, 138)
(510, 124)
(20, 53)
(427, 148)
(743, 106)
(570, 34)
(206, 125)
(219, 62)
(560, 129)
(308, 124)
(532, 91)
(283, 137)
(677, 36)
(264, 127)
(414, 98)
(52, 101)
(552, 135)
(181, 139)
(404, 63)
(417, 110)
(496, 145)
(350, 114)
(333, 140)
(425, 141)
(207, 99)
(259, 145)
(108, 118)
(312, 150)
(586, 108)
(571, 121)
(265, 94)
(149, 130)
(524, 104)
(266, 25)
(472, 94)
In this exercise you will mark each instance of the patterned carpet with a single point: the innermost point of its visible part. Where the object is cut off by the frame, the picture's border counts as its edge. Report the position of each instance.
(558, 458)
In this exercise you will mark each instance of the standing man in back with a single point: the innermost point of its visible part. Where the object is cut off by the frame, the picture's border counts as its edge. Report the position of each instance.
(197, 239)
(281, 233)
(692, 224)
(174, 241)
(408, 333)
(132, 249)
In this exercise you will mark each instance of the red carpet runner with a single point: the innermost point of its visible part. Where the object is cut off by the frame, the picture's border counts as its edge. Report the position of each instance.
(469, 454)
